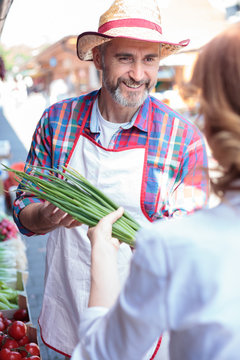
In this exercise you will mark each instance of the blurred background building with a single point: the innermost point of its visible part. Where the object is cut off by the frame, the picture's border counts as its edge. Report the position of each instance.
(54, 71)
(51, 70)
(57, 72)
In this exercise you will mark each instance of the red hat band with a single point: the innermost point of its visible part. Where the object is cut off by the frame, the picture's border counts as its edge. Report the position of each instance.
(129, 23)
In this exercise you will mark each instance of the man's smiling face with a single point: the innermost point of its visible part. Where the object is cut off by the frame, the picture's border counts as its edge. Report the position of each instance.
(130, 70)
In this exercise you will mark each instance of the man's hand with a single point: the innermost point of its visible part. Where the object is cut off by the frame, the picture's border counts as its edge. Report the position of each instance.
(57, 217)
(41, 218)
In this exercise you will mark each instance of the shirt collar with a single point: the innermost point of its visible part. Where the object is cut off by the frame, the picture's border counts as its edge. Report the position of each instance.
(139, 119)
(143, 116)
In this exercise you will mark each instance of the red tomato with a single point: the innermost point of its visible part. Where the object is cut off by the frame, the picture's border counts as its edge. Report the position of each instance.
(2, 338)
(7, 322)
(21, 314)
(31, 348)
(7, 354)
(2, 325)
(10, 344)
(23, 341)
(34, 357)
(17, 329)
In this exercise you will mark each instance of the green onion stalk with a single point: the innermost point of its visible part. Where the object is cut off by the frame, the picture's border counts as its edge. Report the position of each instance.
(75, 195)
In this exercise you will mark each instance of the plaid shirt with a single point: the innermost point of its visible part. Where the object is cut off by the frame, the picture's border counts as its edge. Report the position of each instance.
(174, 179)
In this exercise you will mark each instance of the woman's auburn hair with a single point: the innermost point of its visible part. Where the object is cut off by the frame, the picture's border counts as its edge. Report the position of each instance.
(217, 76)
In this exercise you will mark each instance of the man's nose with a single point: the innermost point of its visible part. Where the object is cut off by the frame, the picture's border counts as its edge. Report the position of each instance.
(137, 71)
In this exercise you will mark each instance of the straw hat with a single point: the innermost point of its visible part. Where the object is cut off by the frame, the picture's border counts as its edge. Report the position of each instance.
(134, 19)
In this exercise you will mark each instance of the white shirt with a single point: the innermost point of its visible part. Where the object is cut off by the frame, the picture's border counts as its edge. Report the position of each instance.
(107, 128)
(184, 278)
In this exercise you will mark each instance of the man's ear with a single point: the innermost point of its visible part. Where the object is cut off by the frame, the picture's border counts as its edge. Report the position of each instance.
(97, 58)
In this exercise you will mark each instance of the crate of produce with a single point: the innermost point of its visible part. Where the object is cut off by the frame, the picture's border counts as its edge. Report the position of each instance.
(21, 312)
(18, 302)
(19, 341)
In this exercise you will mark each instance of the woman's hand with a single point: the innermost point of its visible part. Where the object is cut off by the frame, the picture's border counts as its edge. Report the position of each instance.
(101, 234)
(104, 272)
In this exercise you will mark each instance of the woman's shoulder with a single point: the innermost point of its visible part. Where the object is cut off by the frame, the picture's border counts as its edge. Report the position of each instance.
(209, 235)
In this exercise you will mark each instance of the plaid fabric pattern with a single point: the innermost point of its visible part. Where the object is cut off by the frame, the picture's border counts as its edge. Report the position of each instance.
(174, 179)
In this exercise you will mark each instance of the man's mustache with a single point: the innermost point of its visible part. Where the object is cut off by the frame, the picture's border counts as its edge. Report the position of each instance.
(132, 82)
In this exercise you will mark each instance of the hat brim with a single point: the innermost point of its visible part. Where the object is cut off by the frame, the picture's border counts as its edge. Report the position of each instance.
(87, 41)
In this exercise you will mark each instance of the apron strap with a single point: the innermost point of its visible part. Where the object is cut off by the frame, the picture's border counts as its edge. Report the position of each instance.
(156, 349)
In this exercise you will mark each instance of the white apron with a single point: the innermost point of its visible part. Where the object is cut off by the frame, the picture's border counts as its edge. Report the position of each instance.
(67, 278)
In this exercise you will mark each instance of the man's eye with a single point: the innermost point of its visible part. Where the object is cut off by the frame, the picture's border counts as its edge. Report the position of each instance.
(124, 59)
(150, 59)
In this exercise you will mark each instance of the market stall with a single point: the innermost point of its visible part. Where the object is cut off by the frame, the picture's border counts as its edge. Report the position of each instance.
(18, 337)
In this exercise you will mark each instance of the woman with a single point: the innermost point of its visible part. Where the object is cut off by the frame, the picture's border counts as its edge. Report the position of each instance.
(184, 275)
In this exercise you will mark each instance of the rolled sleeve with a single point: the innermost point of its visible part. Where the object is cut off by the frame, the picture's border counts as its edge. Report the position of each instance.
(39, 155)
(19, 204)
(89, 319)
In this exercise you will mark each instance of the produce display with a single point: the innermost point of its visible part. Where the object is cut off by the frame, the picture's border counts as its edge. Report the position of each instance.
(8, 229)
(18, 338)
(12, 259)
(15, 343)
(12, 247)
(75, 195)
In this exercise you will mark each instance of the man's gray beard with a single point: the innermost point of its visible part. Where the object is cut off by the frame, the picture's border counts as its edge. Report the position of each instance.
(130, 101)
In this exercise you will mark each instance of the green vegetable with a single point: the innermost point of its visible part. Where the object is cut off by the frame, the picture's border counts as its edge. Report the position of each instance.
(9, 276)
(13, 254)
(8, 297)
(71, 192)
(3, 306)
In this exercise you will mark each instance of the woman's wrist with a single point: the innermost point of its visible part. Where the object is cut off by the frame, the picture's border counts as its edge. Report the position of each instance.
(104, 276)
(104, 249)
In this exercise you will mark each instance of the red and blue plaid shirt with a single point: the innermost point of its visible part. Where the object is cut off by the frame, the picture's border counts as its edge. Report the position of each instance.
(174, 179)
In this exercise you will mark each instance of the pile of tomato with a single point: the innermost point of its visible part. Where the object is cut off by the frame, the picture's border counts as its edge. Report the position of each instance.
(14, 341)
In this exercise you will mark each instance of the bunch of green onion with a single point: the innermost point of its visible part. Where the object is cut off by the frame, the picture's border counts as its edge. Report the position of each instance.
(75, 195)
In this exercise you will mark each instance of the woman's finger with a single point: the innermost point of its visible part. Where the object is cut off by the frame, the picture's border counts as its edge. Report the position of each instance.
(113, 216)
(103, 230)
